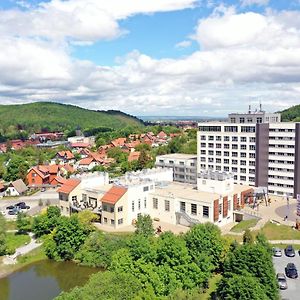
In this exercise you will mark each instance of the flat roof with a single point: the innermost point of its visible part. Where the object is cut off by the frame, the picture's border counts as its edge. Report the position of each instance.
(178, 156)
(189, 192)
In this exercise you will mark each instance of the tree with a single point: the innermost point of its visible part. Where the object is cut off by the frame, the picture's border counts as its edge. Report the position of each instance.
(247, 237)
(44, 224)
(256, 261)
(23, 222)
(240, 287)
(107, 286)
(144, 226)
(204, 242)
(67, 237)
(3, 245)
(143, 159)
(98, 249)
(17, 168)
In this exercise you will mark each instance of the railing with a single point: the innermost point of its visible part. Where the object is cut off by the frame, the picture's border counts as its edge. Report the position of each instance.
(187, 217)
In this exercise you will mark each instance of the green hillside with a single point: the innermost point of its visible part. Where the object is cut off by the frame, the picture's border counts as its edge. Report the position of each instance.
(38, 116)
(291, 114)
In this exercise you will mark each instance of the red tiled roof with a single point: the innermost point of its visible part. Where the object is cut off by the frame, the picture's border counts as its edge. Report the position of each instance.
(68, 154)
(80, 145)
(118, 142)
(86, 161)
(134, 155)
(162, 135)
(113, 195)
(69, 186)
(42, 173)
(68, 168)
(53, 169)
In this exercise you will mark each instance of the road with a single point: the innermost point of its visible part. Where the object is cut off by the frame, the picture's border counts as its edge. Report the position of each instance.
(49, 196)
(293, 291)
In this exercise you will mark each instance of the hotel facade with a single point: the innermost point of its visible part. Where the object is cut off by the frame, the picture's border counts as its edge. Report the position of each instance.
(256, 147)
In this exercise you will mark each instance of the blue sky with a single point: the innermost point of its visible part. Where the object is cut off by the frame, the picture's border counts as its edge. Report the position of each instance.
(168, 57)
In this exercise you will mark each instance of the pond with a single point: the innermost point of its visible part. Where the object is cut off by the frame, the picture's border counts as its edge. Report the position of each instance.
(43, 280)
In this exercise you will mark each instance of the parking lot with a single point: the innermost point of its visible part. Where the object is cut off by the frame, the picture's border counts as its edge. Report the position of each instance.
(293, 290)
(49, 197)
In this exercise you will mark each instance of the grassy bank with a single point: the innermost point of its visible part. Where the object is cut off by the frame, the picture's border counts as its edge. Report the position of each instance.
(279, 232)
(243, 225)
(33, 256)
(15, 240)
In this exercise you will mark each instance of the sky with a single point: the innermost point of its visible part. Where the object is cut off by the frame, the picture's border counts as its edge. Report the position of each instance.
(152, 57)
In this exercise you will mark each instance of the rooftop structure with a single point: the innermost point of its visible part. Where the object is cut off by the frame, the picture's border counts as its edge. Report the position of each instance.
(256, 116)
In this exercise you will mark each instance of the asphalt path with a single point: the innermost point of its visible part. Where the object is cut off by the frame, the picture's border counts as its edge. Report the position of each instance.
(48, 197)
(288, 210)
(293, 290)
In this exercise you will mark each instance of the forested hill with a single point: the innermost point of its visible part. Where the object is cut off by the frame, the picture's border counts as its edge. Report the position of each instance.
(291, 114)
(38, 116)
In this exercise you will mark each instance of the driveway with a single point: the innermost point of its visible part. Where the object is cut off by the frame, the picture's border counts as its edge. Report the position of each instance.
(49, 196)
(293, 291)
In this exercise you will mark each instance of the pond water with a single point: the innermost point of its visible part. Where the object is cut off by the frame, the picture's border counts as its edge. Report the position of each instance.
(43, 280)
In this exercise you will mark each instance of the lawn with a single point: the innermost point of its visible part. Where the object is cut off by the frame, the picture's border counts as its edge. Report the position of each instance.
(11, 225)
(279, 232)
(16, 240)
(243, 225)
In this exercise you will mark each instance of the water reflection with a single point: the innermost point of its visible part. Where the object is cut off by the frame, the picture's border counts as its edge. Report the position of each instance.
(43, 280)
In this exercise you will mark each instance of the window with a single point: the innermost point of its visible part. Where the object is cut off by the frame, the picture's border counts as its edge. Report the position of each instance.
(181, 163)
(112, 221)
(259, 120)
(226, 138)
(205, 211)
(226, 161)
(194, 209)
(229, 204)
(226, 169)
(234, 139)
(105, 220)
(211, 138)
(243, 147)
(226, 153)
(242, 170)
(218, 160)
(243, 163)
(243, 154)
(243, 139)
(74, 198)
(105, 208)
(145, 202)
(218, 138)
(203, 145)
(203, 152)
(171, 162)
(132, 205)
(146, 188)
(182, 206)
(120, 221)
(112, 209)
(248, 129)
(226, 146)
(220, 209)
(231, 129)
(155, 203)
(203, 138)
(209, 128)
(218, 168)
(167, 205)
(252, 155)
(120, 208)
(252, 147)
(210, 152)
(243, 178)
(139, 204)
(252, 140)
(242, 120)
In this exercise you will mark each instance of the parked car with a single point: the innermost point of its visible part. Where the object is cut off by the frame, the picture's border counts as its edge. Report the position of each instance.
(281, 279)
(291, 271)
(289, 251)
(10, 207)
(22, 205)
(277, 252)
(14, 211)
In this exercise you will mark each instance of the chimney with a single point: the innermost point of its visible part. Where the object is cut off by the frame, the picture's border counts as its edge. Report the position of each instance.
(260, 106)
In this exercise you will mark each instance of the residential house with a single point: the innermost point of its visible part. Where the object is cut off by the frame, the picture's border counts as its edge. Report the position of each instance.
(64, 157)
(134, 156)
(67, 193)
(16, 188)
(119, 142)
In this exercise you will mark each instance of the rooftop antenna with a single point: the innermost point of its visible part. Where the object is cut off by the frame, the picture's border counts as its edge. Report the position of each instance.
(260, 106)
(249, 110)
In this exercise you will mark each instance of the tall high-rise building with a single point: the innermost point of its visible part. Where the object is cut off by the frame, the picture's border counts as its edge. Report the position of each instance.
(256, 147)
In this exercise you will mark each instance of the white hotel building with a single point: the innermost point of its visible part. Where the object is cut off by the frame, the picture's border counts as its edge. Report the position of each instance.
(256, 147)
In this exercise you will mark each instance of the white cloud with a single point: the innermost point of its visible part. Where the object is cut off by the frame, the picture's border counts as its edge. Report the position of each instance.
(183, 44)
(80, 20)
(254, 2)
(242, 57)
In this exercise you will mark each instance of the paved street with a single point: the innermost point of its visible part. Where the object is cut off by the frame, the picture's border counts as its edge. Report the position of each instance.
(50, 196)
(293, 291)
